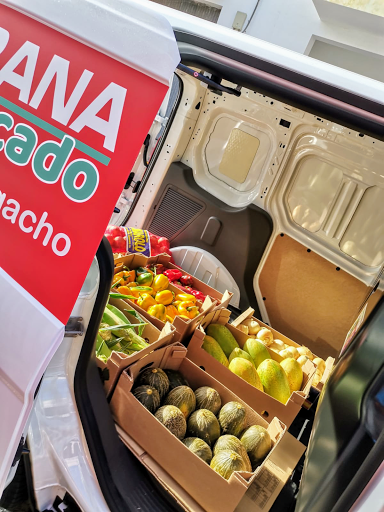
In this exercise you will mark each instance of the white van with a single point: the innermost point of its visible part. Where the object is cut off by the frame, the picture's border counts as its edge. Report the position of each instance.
(264, 169)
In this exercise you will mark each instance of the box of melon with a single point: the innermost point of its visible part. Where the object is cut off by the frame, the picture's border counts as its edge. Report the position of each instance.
(202, 436)
(281, 347)
(150, 283)
(247, 367)
(123, 338)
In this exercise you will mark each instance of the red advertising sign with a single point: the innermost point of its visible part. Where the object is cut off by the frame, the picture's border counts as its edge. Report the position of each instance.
(72, 121)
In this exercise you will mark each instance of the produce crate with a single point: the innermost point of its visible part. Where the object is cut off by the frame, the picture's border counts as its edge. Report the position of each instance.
(184, 328)
(138, 260)
(260, 495)
(118, 361)
(330, 361)
(265, 405)
(211, 491)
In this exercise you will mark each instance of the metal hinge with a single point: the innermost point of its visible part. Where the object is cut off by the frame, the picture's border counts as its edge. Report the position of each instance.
(21, 450)
(74, 327)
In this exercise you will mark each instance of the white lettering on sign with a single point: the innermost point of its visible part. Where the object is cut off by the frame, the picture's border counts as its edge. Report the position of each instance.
(58, 69)
(108, 128)
(23, 82)
(79, 179)
(60, 244)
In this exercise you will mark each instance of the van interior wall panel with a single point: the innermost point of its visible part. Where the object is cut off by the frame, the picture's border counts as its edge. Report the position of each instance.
(297, 90)
(239, 243)
(308, 298)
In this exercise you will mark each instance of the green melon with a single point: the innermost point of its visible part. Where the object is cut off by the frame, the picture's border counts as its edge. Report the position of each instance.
(173, 419)
(199, 448)
(211, 346)
(203, 424)
(257, 443)
(227, 462)
(182, 397)
(156, 378)
(224, 337)
(232, 443)
(247, 371)
(237, 352)
(274, 380)
(232, 418)
(256, 350)
(175, 379)
(148, 396)
(208, 398)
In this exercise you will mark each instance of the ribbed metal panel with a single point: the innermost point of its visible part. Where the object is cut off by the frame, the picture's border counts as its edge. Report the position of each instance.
(173, 213)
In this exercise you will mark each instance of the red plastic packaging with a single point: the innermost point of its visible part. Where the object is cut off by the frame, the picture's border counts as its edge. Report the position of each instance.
(125, 240)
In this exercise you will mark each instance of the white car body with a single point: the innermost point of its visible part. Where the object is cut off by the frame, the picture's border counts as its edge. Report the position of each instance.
(59, 454)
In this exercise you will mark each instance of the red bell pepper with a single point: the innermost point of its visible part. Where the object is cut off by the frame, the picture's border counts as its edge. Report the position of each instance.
(186, 280)
(173, 274)
(187, 289)
(199, 295)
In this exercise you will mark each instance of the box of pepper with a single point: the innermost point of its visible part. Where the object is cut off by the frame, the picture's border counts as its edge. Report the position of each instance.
(157, 289)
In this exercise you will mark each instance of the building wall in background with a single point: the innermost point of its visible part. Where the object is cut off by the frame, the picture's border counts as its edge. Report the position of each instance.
(293, 23)
(199, 9)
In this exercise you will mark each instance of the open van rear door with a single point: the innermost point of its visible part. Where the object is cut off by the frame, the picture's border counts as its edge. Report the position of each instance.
(79, 89)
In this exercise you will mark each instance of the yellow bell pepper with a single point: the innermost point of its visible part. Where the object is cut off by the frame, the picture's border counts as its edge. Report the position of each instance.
(182, 297)
(125, 277)
(188, 309)
(145, 301)
(171, 311)
(169, 319)
(160, 283)
(118, 279)
(158, 311)
(125, 290)
(165, 297)
(134, 290)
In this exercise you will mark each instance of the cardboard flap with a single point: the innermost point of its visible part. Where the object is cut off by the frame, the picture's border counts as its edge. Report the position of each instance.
(309, 370)
(329, 363)
(227, 296)
(158, 358)
(206, 304)
(248, 313)
(220, 316)
(167, 329)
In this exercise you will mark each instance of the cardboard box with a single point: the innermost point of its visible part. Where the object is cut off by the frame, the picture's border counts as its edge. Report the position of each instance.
(330, 361)
(118, 361)
(212, 492)
(259, 497)
(136, 260)
(184, 328)
(265, 405)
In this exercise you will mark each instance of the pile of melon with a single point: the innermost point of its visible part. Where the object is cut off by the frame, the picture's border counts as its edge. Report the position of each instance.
(253, 363)
(254, 330)
(219, 435)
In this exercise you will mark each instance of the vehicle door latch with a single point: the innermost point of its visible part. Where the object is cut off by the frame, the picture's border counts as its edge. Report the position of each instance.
(74, 327)
(21, 450)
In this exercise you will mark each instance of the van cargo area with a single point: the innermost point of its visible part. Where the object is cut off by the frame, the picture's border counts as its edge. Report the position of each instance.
(251, 306)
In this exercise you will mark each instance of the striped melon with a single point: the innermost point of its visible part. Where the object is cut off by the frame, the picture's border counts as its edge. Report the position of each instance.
(232, 418)
(182, 397)
(208, 398)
